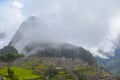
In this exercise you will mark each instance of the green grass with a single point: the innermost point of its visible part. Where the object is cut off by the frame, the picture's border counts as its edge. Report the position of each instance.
(20, 73)
(23, 73)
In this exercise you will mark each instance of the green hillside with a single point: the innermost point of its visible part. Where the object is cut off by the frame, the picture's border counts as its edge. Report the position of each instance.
(20, 73)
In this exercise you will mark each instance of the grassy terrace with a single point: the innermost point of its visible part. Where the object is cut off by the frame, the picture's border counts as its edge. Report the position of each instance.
(20, 73)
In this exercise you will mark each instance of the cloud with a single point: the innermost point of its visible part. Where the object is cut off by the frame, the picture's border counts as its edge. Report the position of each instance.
(93, 24)
(17, 4)
(2, 36)
(10, 19)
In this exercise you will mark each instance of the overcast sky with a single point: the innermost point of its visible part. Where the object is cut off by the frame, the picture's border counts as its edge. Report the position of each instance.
(94, 24)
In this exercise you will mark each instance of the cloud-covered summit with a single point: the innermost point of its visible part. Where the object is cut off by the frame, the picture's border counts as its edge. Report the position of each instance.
(92, 24)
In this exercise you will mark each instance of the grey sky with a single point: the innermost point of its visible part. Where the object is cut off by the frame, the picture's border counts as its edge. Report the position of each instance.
(92, 24)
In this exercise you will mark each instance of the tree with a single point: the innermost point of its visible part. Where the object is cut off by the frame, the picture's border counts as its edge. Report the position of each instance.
(8, 54)
(51, 72)
(11, 75)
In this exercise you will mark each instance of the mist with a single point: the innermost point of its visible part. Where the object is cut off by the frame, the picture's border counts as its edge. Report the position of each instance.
(2, 36)
(93, 24)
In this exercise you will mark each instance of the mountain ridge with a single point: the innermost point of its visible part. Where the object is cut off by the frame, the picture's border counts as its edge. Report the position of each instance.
(30, 41)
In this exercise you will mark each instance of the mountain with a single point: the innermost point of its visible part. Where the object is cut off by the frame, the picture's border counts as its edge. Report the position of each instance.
(59, 50)
(25, 34)
(31, 40)
(56, 67)
(113, 63)
(8, 49)
(46, 55)
(9, 54)
(36, 30)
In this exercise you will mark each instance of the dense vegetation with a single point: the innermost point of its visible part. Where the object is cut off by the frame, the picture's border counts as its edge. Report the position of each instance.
(37, 70)
(47, 67)
(9, 54)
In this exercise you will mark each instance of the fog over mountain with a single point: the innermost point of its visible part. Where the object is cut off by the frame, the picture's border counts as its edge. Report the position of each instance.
(2, 36)
(34, 38)
(93, 24)
(36, 29)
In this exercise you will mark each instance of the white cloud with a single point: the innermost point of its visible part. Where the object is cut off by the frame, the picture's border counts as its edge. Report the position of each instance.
(115, 26)
(17, 4)
(92, 23)
(10, 19)
(94, 51)
(95, 22)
